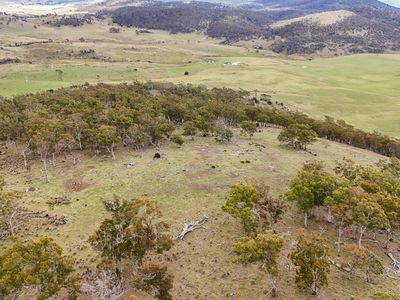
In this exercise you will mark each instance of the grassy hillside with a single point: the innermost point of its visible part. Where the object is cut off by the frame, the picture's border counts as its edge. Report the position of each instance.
(186, 186)
(361, 89)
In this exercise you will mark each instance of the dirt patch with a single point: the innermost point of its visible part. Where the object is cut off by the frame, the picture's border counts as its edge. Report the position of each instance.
(204, 151)
(75, 185)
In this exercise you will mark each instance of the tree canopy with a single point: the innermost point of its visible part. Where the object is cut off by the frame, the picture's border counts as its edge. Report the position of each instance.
(311, 259)
(133, 229)
(38, 264)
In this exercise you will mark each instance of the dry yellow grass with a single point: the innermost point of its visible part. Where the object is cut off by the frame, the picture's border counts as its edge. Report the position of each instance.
(323, 18)
(186, 186)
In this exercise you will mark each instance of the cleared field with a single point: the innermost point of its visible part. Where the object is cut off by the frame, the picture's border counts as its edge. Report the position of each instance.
(364, 90)
(186, 186)
(324, 18)
(361, 89)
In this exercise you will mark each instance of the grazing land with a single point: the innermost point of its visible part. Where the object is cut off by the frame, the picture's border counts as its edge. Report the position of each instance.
(362, 89)
(216, 127)
(188, 182)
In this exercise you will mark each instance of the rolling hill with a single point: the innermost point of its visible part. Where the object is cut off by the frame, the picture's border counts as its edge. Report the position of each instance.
(368, 26)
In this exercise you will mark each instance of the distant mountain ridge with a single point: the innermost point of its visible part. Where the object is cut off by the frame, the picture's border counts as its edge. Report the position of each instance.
(369, 26)
(323, 5)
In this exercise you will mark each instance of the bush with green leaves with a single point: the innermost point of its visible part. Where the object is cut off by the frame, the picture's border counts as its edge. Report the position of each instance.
(386, 296)
(263, 249)
(177, 139)
(223, 134)
(298, 136)
(311, 186)
(248, 128)
(39, 265)
(361, 258)
(312, 261)
(240, 204)
(133, 229)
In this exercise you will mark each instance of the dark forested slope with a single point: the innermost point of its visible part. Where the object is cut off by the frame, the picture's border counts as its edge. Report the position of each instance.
(373, 26)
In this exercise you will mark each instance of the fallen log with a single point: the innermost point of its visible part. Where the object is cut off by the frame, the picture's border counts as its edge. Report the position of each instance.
(395, 263)
(339, 266)
(189, 227)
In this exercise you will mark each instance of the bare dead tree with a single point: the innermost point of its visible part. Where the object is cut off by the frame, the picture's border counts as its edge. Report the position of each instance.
(395, 264)
(103, 285)
(189, 227)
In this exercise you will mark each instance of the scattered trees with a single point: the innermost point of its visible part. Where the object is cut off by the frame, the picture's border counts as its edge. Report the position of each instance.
(311, 259)
(248, 128)
(257, 209)
(177, 139)
(133, 229)
(368, 214)
(223, 134)
(143, 114)
(269, 208)
(10, 212)
(46, 134)
(359, 195)
(240, 204)
(107, 137)
(311, 187)
(298, 136)
(38, 264)
(340, 207)
(189, 129)
(156, 280)
(362, 196)
(262, 249)
(254, 206)
(361, 258)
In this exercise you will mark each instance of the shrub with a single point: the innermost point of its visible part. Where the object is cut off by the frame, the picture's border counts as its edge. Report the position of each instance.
(177, 139)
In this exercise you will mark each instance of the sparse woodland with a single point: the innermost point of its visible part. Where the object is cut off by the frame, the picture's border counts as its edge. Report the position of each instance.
(103, 117)
(358, 201)
(355, 199)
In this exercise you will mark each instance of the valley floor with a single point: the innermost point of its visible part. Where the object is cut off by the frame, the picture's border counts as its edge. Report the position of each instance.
(361, 89)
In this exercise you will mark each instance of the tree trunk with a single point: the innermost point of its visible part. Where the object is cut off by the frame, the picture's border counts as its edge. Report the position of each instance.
(388, 237)
(329, 217)
(339, 241)
(46, 174)
(25, 159)
(79, 141)
(314, 288)
(112, 152)
(271, 222)
(118, 268)
(274, 289)
(78, 136)
(362, 231)
(305, 219)
(74, 157)
(11, 223)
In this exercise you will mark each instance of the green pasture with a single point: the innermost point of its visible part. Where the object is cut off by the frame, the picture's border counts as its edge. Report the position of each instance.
(363, 90)
(188, 182)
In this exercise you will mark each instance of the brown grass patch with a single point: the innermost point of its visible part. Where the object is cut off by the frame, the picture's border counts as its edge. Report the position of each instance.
(75, 185)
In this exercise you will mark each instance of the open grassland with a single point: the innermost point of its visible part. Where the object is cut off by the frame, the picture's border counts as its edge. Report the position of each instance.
(361, 89)
(186, 185)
